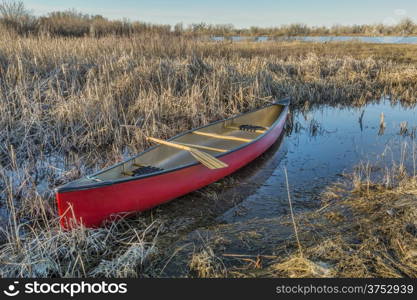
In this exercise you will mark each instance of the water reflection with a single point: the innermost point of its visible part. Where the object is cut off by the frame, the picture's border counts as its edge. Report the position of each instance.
(323, 144)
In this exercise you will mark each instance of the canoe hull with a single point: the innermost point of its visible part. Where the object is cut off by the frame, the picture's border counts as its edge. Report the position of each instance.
(91, 207)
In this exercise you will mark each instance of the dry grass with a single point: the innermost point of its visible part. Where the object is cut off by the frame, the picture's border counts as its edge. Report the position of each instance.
(116, 251)
(64, 101)
(300, 267)
(75, 94)
(371, 232)
(205, 264)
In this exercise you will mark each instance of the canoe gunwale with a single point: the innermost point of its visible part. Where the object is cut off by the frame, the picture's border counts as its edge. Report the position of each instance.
(68, 188)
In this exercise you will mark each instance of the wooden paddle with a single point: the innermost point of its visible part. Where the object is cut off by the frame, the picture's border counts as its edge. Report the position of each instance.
(206, 159)
(223, 137)
(202, 147)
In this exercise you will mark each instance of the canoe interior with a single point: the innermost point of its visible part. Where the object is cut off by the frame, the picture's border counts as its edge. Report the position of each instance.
(163, 158)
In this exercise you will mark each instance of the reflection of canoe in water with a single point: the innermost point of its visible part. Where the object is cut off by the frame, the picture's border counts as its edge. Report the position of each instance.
(163, 172)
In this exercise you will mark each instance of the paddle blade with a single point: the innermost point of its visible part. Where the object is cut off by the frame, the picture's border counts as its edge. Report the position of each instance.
(208, 160)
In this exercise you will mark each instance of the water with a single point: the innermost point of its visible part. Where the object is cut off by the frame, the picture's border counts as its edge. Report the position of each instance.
(326, 39)
(325, 144)
(364, 39)
(241, 38)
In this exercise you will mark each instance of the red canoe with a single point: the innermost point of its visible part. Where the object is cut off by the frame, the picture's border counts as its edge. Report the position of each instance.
(163, 173)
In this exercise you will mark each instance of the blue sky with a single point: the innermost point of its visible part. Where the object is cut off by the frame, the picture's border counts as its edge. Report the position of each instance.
(241, 13)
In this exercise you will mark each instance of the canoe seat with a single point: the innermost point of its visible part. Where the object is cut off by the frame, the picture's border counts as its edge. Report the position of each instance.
(142, 170)
(252, 128)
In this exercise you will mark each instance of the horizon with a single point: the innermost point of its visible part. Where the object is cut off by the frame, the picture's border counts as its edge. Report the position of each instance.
(241, 14)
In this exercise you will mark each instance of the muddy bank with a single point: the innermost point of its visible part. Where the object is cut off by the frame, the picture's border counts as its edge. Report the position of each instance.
(366, 231)
(225, 250)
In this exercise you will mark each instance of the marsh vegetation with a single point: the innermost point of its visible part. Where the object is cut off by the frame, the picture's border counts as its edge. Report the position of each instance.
(70, 105)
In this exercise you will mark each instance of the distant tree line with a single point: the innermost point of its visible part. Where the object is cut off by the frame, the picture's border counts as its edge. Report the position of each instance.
(15, 17)
(403, 27)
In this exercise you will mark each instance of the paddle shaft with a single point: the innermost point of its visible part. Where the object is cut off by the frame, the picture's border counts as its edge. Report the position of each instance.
(174, 145)
(222, 137)
(202, 147)
(184, 146)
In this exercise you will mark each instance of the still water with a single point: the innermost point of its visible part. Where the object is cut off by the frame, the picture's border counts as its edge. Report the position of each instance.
(325, 39)
(326, 144)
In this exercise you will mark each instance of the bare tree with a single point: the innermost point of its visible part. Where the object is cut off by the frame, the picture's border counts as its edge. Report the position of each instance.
(14, 16)
(406, 26)
(13, 10)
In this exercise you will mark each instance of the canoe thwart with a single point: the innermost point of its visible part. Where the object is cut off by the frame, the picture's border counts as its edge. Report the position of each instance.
(222, 137)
